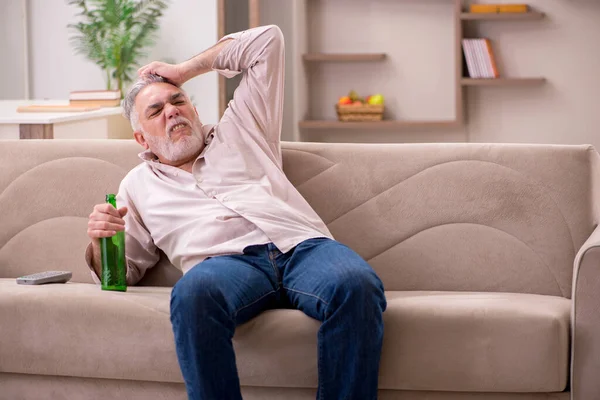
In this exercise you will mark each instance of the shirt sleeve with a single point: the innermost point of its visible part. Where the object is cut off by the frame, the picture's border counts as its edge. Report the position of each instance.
(257, 105)
(140, 251)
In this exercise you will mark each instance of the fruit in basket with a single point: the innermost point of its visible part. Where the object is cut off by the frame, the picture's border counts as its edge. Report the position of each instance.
(353, 99)
(355, 108)
(376, 99)
(345, 100)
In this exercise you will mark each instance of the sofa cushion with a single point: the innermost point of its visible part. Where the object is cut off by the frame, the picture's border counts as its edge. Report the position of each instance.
(476, 342)
(496, 342)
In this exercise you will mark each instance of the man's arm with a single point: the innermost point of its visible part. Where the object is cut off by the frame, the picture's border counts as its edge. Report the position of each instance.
(258, 53)
(105, 220)
(178, 74)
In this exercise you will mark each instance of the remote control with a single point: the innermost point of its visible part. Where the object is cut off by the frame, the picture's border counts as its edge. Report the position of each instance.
(45, 277)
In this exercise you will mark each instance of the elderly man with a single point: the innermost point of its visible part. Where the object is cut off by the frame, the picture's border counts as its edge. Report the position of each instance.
(215, 200)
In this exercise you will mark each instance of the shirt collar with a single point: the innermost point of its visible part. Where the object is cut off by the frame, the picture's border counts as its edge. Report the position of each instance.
(208, 131)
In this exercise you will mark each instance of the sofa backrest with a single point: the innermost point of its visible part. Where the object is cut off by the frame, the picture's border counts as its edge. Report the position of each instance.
(458, 217)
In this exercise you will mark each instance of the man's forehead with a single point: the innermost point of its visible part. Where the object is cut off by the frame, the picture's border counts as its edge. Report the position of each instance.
(156, 92)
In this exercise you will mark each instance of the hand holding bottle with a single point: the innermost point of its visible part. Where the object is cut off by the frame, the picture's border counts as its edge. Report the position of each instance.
(105, 221)
(106, 228)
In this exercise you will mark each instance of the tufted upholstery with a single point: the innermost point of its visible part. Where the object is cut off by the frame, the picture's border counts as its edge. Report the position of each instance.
(475, 244)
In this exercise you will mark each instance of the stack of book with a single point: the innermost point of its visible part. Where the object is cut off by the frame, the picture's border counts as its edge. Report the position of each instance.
(480, 59)
(498, 8)
(95, 98)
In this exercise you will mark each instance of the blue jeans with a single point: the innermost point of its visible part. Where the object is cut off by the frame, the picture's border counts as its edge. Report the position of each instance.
(321, 277)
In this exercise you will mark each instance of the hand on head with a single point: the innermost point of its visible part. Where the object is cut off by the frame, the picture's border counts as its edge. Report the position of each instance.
(172, 72)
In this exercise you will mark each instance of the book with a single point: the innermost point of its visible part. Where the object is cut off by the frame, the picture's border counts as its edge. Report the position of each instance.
(95, 95)
(40, 108)
(498, 8)
(483, 59)
(470, 57)
(96, 103)
(491, 59)
(477, 58)
(480, 59)
(466, 44)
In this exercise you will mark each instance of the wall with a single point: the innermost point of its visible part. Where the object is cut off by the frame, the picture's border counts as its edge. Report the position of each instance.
(187, 28)
(417, 79)
(12, 45)
(271, 13)
(564, 48)
(236, 19)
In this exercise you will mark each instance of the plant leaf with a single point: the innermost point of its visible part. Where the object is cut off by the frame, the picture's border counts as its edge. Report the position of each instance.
(115, 34)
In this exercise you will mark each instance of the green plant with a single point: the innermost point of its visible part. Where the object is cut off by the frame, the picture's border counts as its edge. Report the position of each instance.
(115, 34)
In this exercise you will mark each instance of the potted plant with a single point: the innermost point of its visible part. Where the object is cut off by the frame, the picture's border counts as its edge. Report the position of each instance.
(115, 34)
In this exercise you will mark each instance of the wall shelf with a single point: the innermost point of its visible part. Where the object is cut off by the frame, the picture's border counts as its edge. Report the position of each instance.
(343, 57)
(503, 82)
(377, 125)
(531, 15)
(465, 26)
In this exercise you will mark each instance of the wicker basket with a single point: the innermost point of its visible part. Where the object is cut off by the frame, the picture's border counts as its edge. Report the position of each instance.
(364, 112)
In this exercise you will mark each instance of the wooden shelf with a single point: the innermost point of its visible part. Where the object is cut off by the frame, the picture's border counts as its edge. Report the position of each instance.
(444, 124)
(382, 125)
(343, 57)
(503, 82)
(531, 15)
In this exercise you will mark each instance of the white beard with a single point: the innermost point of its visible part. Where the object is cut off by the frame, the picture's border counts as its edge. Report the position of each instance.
(183, 149)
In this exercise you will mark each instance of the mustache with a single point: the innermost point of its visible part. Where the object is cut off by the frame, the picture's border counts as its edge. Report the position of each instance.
(177, 121)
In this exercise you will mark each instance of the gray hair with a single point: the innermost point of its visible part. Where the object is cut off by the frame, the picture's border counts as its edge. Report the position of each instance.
(128, 102)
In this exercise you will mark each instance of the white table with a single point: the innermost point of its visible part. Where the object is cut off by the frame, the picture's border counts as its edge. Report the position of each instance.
(104, 123)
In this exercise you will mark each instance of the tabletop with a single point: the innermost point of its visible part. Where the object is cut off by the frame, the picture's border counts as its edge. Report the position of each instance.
(9, 114)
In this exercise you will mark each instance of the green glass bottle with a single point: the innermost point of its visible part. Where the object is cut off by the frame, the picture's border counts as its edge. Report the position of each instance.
(114, 265)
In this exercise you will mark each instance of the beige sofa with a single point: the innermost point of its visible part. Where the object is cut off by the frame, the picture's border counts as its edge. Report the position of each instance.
(488, 253)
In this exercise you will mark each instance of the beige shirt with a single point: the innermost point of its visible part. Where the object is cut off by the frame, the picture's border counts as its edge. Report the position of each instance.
(237, 194)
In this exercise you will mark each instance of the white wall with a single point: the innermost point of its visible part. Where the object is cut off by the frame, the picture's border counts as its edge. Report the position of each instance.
(187, 28)
(236, 19)
(418, 80)
(564, 48)
(54, 68)
(12, 44)
(271, 13)
(417, 77)
(417, 37)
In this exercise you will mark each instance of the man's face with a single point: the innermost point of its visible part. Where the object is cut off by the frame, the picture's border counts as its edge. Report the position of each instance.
(169, 123)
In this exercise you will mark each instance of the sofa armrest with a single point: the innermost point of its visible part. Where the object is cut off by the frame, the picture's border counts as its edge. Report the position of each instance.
(585, 320)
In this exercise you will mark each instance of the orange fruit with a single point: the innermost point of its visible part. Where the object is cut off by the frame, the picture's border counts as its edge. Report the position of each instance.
(344, 100)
